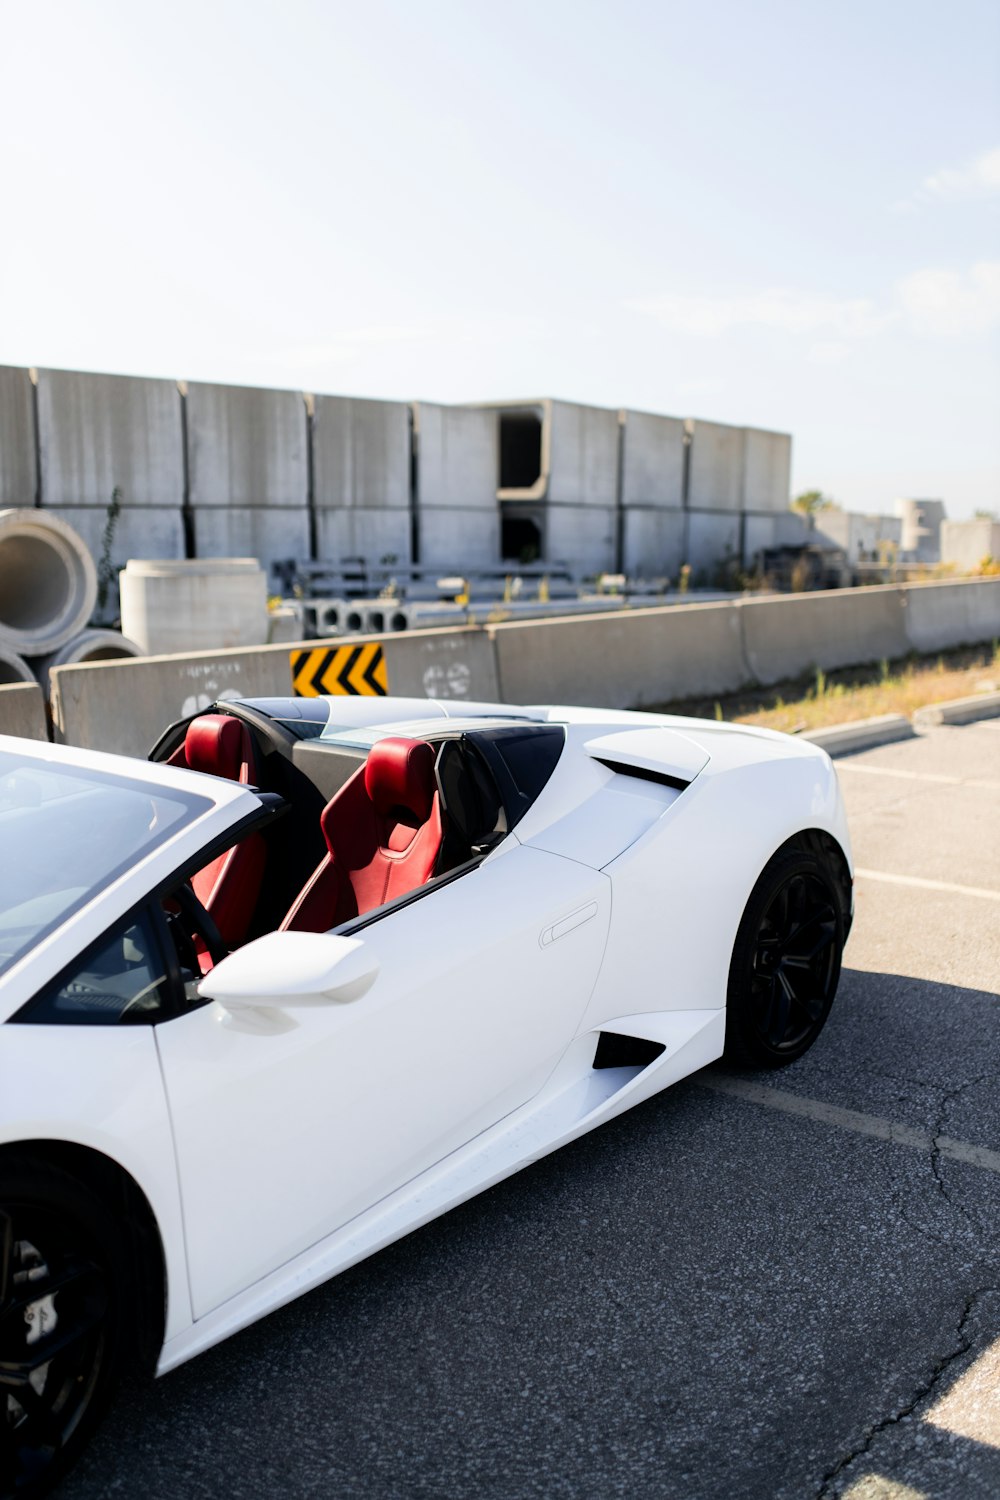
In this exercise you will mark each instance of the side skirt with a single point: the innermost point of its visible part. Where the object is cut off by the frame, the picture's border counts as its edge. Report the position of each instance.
(576, 1098)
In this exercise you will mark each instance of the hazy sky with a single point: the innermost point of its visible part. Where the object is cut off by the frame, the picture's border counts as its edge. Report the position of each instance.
(783, 213)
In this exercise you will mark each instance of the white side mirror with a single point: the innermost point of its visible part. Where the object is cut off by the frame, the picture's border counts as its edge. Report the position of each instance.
(291, 969)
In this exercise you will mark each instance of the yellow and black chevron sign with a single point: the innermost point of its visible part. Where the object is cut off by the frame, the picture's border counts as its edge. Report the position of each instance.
(339, 669)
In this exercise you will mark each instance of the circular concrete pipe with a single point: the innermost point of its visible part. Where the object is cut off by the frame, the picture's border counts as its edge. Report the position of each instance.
(48, 582)
(89, 645)
(13, 668)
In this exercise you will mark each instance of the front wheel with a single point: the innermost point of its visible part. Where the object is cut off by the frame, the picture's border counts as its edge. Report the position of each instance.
(61, 1280)
(786, 962)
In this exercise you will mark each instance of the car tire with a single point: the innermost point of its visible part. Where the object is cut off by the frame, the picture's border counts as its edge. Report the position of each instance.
(786, 962)
(63, 1292)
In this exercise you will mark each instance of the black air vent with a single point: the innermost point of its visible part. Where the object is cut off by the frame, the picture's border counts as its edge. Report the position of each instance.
(617, 1051)
(644, 773)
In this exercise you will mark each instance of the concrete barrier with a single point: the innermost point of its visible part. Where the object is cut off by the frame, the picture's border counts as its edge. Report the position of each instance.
(124, 706)
(627, 660)
(22, 711)
(787, 635)
(965, 612)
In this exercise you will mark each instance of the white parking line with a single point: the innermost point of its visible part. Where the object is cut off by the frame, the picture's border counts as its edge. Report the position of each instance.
(850, 1119)
(939, 776)
(928, 885)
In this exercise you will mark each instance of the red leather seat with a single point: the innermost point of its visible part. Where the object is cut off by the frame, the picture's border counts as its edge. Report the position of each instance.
(229, 887)
(383, 834)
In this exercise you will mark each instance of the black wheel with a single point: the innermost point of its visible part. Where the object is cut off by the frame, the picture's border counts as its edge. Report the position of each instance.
(61, 1291)
(786, 962)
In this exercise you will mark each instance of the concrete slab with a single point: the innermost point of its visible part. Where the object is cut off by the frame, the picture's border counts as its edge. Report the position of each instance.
(269, 535)
(652, 461)
(99, 431)
(716, 466)
(456, 458)
(22, 711)
(767, 470)
(18, 473)
(581, 536)
(357, 532)
(583, 455)
(653, 542)
(246, 447)
(455, 540)
(361, 454)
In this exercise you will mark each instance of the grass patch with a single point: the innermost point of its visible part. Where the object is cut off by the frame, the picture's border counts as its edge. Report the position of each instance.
(840, 697)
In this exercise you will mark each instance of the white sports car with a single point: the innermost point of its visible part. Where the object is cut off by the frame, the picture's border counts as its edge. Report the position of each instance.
(263, 1021)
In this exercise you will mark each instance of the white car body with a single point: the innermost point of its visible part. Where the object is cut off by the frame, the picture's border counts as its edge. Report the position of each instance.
(337, 1091)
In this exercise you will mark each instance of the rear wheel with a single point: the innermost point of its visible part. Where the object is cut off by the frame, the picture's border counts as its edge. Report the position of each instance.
(786, 962)
(62, 1281)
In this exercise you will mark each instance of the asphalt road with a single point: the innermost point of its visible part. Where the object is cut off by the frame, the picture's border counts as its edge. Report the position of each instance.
(777, 1286)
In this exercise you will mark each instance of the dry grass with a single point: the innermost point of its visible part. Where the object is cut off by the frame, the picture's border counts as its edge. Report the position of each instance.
(857, 692)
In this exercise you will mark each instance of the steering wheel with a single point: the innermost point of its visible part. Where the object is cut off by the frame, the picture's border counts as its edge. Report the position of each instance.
(199, 919)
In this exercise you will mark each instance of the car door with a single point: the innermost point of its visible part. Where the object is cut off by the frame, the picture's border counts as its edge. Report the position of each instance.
(289, 1121)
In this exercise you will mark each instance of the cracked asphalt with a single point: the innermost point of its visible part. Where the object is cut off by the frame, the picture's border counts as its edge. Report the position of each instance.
(730, 1292)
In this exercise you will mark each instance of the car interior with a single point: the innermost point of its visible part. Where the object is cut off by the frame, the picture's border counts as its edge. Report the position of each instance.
(363, 827)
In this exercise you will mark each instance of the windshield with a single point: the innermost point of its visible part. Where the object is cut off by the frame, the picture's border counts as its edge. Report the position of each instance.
(65, 834)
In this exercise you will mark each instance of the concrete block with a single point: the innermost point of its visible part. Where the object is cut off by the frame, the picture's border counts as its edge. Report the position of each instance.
(863, 734)
(716, 466)
(361, 454)
(456, 458)
(713, 539)
(922, 522)
(652, 542)
(965, 612)
(652, 461)
(457, 540)
(356, 532)
(87, 700)
(192, 606)
(99, 431)
(581, 536)
(964, 544)
(864, 538)
(22, 711)
(958, 711)
(786, 636)
(269, 535)
(767, 470)
(141, 531)
(18, 475)
(583, 455)
(629, 659)
(246, 447)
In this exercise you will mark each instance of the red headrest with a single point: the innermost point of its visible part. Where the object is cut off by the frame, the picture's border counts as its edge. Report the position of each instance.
(214, 743)
(400, 773)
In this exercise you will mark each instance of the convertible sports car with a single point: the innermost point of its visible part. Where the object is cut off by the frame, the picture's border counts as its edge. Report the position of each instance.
(323, 968)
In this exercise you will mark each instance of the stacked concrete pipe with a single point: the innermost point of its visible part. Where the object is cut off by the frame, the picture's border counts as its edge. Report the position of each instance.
(48, 588)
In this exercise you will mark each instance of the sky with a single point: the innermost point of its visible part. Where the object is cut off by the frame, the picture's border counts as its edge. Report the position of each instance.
(783, 214)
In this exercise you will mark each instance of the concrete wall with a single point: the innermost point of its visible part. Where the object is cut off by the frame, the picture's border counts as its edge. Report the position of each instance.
(87, 700)
(963, 613)
(626, 660)
(247, 447)
(361, 454)
(583, 455)
(964, 544)
(712, 539)
(715, 466)
(788, 634)
(271, 536)
(22, 711)
(458, 515)
(357, 532)
(18, 476)
(652, 461)
(581, 536)
(99, 431)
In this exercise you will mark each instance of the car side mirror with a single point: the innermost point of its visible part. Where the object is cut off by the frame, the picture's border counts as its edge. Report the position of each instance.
(292, 969)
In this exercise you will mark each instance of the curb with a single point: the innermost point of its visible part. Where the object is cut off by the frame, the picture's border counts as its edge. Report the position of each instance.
(862, 734)
(958, 711)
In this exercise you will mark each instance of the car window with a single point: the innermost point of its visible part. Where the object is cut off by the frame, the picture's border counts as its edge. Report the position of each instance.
(522, 761)
(120, 978)
(67, 832)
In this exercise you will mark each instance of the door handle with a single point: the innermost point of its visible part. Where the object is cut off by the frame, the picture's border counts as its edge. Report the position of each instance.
(559, 929)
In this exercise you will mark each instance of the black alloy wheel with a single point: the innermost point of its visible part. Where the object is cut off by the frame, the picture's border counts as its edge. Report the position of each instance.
(786, 962)
(60, 1281)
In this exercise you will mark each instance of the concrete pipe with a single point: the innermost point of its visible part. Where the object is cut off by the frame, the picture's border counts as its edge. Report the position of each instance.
(13, 668)
(89, 645)
(48, 582)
